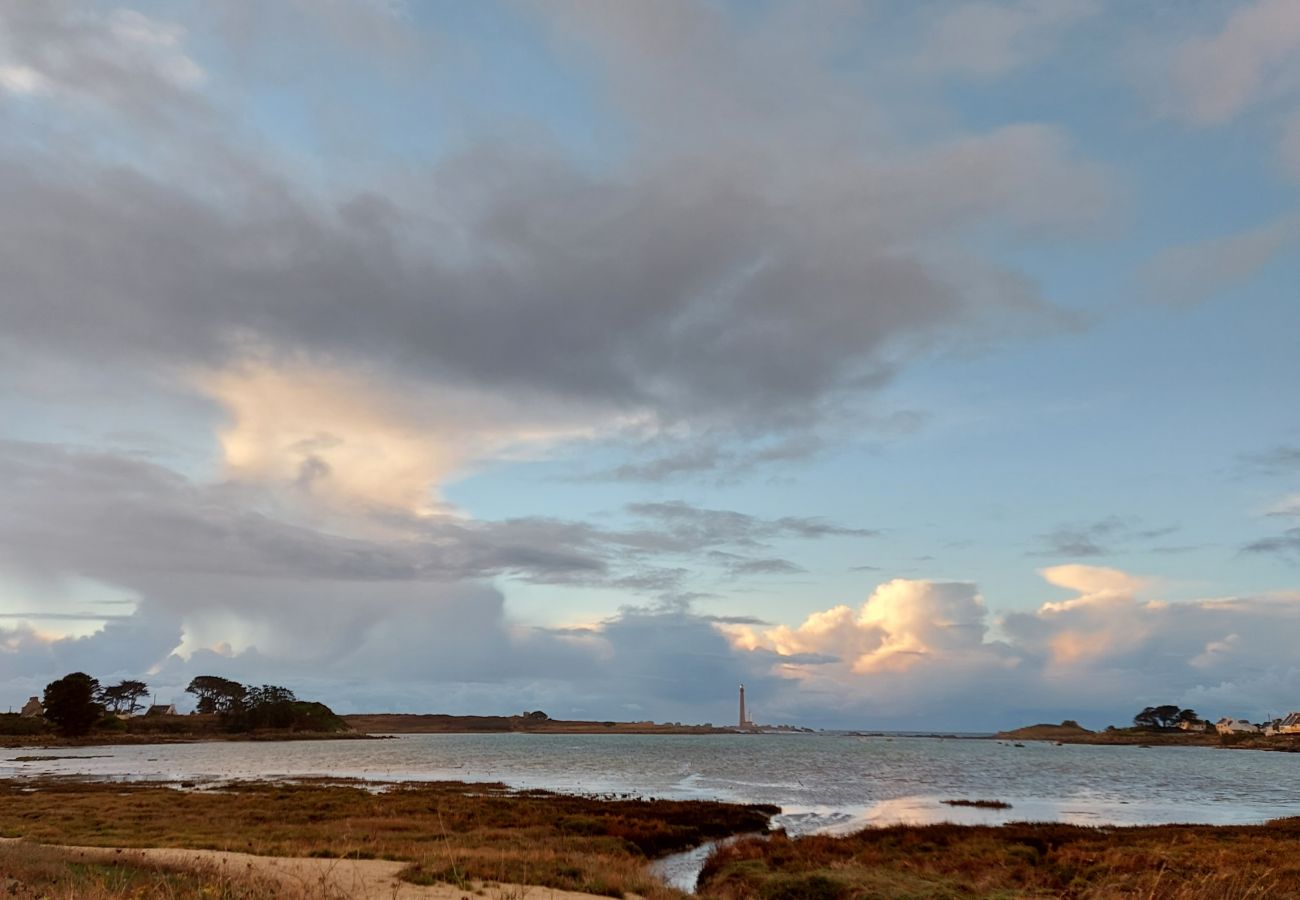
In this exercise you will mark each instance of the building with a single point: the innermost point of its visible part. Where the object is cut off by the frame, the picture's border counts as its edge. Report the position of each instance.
(1229, 725)
(744, 720)
(1195, 725)
(32, 709)
(161, 709)
(1289, 724)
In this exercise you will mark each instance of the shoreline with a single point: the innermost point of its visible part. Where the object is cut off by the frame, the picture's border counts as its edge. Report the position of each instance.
(1130, 737)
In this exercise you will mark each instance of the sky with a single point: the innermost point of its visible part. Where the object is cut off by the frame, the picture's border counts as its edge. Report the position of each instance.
(920, 365)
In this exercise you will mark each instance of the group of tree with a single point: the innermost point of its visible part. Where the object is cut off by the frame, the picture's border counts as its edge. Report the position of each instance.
(76, 703)
(252, 707)
(1164, 718)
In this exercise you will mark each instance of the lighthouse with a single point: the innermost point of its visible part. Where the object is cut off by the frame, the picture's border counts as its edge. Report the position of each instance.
(744, 723)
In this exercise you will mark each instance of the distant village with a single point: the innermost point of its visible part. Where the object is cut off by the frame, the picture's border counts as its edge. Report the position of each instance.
(1288, 724)
(1169, 717)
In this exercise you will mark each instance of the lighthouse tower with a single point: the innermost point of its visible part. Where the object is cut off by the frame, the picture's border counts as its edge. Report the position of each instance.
(744, 722)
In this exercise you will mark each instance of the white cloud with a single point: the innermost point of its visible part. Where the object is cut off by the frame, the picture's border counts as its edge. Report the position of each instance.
(20, 79)
(348, 436)
(1099, 655)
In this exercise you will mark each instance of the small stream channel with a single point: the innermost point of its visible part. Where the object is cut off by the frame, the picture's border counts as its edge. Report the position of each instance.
(682, 870)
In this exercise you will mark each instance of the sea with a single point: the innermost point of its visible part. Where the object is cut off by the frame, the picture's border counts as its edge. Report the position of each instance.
(824, 782)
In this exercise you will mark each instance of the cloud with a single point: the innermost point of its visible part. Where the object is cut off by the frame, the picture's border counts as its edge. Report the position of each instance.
(1188, 274)
(1093, 538)
(927, 651)
(1252, 58)
(1278, 460)
(990, 39)
(508, 268)
(1286, 507)
(122, 62)
(1285, 545)
(347, 437)
(693, 526)
(900, 625)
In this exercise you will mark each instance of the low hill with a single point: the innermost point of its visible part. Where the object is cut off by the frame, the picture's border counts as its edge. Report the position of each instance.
(1066, 731)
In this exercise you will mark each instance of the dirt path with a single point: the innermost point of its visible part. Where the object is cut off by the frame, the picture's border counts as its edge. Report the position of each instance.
(329, 879)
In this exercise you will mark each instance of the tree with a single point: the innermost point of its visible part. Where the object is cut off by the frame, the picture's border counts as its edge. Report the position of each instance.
(1159, 718)
(217, 695)
(70, 703)
(124, 697)
(269, 706)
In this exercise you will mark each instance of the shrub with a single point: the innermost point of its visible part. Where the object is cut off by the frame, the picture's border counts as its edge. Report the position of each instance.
(813, 886)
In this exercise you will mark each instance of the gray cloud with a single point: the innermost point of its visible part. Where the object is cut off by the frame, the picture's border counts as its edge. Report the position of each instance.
(1285, 545)
(692, 526)
(1188, 274)
(1093, 539)
(1278, 460)
(517, 270)
(123, 63)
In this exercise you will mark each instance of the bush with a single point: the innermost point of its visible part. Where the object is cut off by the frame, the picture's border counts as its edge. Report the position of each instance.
(14, 724)
(812, 886)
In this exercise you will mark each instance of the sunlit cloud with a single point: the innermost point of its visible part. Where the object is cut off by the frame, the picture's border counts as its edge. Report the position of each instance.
(346, 436)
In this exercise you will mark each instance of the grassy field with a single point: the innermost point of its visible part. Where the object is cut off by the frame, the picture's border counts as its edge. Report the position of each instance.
(945, 862)
(29, 872)
(459, 834)
(448, 832)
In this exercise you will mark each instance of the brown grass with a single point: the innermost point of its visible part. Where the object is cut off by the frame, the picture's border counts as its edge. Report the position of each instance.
(32, 871)
(1170, 862)
(449, 831)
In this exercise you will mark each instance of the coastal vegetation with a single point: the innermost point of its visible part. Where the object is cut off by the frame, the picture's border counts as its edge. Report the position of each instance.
(1167, 862)
(29, 871)
(472, 837)
(445, 832)
(76, 707)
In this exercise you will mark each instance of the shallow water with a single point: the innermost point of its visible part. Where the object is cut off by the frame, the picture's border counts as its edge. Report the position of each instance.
(822, 782)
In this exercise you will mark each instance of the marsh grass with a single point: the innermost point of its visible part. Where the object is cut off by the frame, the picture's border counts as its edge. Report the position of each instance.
(449, 831)
(32, 871)
(1170, 862)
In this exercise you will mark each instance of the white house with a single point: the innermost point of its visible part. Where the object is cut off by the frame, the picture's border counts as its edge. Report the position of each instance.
(1228, 725)
(161, 709)
(1195, 725)
(1289, 724)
